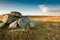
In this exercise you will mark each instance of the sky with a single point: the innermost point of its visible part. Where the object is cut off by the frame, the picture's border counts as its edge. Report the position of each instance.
(31, 7)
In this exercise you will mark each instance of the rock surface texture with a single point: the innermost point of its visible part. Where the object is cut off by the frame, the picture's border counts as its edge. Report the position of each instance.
(13, 24)
(23, 21)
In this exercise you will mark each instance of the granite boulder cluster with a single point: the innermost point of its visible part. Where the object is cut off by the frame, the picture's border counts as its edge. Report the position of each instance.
(15, 20)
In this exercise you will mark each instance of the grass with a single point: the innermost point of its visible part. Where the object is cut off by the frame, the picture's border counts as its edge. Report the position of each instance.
(42, 31)
(45, 18)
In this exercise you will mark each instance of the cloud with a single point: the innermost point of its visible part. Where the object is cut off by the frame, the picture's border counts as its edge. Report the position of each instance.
(43, 8)
(50, 10)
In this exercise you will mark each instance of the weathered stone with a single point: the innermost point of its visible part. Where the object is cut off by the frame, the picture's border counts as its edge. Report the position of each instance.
(5, 18)
(14, 13)
(23, 21)
(13, 25)
(8, 18)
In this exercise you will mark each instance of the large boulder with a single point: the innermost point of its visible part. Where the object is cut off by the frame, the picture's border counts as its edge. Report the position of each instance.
(23, 21)
(8, 18)
(14, 13)
(13, 25)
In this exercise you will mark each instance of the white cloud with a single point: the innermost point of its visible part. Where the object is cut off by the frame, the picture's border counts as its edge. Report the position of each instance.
(50, 10)
(43, 8)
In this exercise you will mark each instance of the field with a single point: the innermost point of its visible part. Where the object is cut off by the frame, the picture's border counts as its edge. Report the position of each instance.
(42, 31)
(48, 28)
(45, 18)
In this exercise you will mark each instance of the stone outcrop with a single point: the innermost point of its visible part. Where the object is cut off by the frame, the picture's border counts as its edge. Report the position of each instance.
(15, 19)
(22, 23)
(9, 18)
